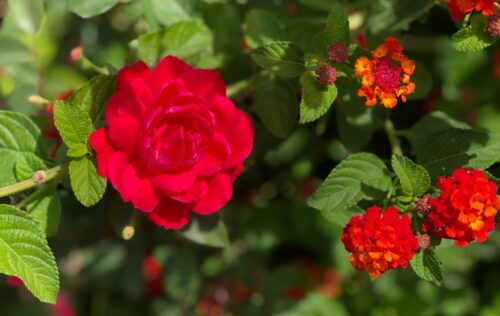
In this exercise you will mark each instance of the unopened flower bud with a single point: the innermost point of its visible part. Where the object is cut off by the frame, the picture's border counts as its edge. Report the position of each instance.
(128, 232)
(338, 52)
(424, 240)
(76, 53)
(326, 75)
(423, 204)
(493, 26)
(39, 177)
(36, 99)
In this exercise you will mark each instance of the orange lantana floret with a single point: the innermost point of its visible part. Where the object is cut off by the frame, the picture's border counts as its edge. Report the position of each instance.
(379, 240)
(460, 8)
(387, 76)
(466, 208)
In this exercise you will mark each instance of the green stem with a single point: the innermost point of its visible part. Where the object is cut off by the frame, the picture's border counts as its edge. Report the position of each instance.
(466, 20)
(393, 139)
(53, 173)
(243, 85)
(87, 63)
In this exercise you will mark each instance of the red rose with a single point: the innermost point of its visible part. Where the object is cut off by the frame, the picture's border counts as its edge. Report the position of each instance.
(174, 142)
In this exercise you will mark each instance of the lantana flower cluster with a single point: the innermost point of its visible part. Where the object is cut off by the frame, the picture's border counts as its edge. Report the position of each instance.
(380, 240)
(460, 8)
(385, 78)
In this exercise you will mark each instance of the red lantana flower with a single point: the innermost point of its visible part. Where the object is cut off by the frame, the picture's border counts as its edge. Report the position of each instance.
(466, 208)
(379, 240)
(173, 143)
(387, 76)
(460, 8)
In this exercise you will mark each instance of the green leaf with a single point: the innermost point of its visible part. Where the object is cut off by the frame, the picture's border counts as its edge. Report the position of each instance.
(316, 304)
(393, 15)
(87, 185)
(414, 179)
(285, 59)
(45, 207)
(26, 254)
(316, 100)
(276, 105)
(325, 5)
(474, 37)
(27, 164)
(359, 177)
(74, 126)
(149, 47)
(13, 51)
(426, 266)
(93, 96)
(343, 218)
(19, 136)
(24, 15)
(337, 29)
(262, 27)
(423, 82)
(445, 151)
(168, 12)
(207, 230)
(434, 122)
(186, 39)
(182, 278)
(90, 8)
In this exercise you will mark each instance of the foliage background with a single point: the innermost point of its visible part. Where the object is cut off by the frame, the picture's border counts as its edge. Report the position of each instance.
(273, 234)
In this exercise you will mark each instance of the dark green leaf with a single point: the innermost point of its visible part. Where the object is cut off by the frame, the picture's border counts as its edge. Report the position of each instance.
(359, 177)
(45, 207)
(182, 276)
(316, 100)
(393, 15)
(426, 265)
(276, 105)
(87, 185)
(285, 59)
(262, 27)
(337, 29)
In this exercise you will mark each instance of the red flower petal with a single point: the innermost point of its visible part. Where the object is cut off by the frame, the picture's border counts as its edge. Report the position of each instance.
(126, 74)
(169, 68)
(170, 214)
(220, 190)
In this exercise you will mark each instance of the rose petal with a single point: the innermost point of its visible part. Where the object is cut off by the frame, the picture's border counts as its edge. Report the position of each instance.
(225, 114)
(220, 190)
(240, 140)
(193, 194)
(123, 129)
(170, 214)
(126, 74)
(117, 163)
(204, 82)
(169, 183)
(140, 189)
(214, 156)
(167, 69)
(99, 141)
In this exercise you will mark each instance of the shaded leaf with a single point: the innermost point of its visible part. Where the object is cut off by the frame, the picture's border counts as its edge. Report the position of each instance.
(207, 230)
(45, 208)
(285, 59)
(262, 27)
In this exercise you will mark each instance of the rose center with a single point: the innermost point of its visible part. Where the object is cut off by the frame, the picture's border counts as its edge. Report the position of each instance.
(387, 75)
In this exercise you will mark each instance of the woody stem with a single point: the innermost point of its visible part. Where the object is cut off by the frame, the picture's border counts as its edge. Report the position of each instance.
(53, 173)
(393, 139)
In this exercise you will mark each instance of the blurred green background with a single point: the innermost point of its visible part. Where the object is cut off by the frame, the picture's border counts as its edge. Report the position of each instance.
(284, 258)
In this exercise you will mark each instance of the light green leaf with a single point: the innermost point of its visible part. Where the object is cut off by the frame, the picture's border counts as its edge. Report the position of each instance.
(149, 47)
(316, 100)
(19, 136)
(186, 39)
(442, 152)
(426, 265)
(27, 164)
(414, 179)
(90, 8)
(45, 207)
(276, 105)
(285, 59)
(26, 254)
(93, 96)
(316, 304)
(359, 177)
(474, 37)
(168, 12)
(207, 230)
(337, 29)
(87, 185)
(262, 27)
(74, 126)
(13, 51)
(25, 16)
